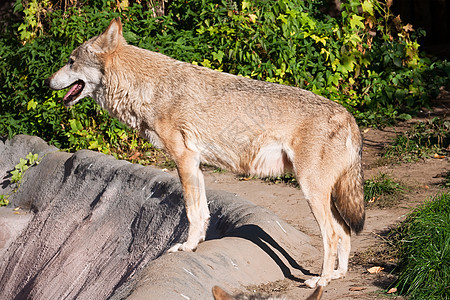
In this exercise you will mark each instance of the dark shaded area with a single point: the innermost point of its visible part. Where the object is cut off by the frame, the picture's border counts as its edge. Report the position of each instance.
(259, 237)
(431, 15)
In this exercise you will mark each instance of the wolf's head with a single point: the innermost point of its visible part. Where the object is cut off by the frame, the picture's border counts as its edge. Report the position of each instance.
(84, 70)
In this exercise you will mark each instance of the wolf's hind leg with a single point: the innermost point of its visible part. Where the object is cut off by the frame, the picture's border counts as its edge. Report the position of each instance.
(336, 235)
(344, 245)
(317, 191)
(320, 206)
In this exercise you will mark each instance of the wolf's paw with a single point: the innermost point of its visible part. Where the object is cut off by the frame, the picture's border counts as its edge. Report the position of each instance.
(312, 282)
(316, 281)
(182, 247)
(338, 274)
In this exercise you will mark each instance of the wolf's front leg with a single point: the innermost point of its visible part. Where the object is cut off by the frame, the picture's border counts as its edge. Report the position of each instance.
(195, 202)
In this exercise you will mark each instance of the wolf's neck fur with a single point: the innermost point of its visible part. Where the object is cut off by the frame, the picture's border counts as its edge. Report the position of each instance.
(129, 89)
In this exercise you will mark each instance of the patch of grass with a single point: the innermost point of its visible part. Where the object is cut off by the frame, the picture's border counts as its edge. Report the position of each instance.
(288, 178)
(425, 251)
(423, 140)
(212, 168)
(382, 191)
(219, 170)
(168, 164)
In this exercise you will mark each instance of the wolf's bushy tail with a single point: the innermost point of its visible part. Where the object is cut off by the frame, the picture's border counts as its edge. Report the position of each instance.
(348, 196)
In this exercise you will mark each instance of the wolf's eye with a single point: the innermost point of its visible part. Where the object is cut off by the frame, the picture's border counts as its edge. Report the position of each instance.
(70, 62)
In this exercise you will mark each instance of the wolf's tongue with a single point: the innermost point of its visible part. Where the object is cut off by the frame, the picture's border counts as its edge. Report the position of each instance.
(74, 90)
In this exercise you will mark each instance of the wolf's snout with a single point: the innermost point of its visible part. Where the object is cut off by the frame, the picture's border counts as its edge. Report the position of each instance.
(47, 82)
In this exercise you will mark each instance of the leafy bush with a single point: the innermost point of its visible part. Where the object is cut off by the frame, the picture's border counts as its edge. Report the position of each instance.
(425, 251)
(365, 59)
(27, 106)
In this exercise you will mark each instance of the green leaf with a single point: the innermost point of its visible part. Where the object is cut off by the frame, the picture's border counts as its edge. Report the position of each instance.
(405, 117)
(16, 176)
(246, 5)
(31, 104)
(21, 164)
(75, 125)
(4, 200)
(347, 64)
(130, 37)
(397, 61)
(32, 158)
(367, 6)
(218, 55)
(356, 22)
(93, 145)
(318, 39)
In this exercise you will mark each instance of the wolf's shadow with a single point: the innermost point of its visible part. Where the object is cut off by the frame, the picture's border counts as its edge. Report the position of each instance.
(262, 239)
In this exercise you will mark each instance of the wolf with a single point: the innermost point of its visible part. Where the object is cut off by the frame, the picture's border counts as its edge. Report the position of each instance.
(199, 115)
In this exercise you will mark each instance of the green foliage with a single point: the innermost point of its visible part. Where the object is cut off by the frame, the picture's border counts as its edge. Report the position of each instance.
(4, 200)
(288, 178)
(27, 106)
(29, 161)
(219, 170)
(423, 140)
(32, 11)
(18, 172)
(365, 59)
(425, 251)
(382, 191)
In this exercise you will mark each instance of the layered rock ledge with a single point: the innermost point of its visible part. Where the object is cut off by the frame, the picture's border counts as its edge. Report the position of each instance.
(93, 227)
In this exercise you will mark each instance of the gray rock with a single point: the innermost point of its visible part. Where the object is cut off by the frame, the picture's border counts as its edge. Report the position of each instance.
(93, 227)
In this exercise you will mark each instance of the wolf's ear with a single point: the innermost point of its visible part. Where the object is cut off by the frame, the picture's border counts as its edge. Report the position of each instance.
(220, 294)
(110, 38)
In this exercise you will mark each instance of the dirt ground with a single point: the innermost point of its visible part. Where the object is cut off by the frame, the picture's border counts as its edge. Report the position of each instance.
(422, 180)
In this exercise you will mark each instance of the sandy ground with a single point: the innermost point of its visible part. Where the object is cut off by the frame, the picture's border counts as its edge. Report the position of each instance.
(422, 179)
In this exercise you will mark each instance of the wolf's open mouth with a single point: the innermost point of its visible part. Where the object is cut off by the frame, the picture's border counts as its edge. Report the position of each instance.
(74, 91)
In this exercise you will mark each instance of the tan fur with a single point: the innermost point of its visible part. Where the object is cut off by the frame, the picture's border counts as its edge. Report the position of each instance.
(244, 125)
(220, 294)
(317, 295)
